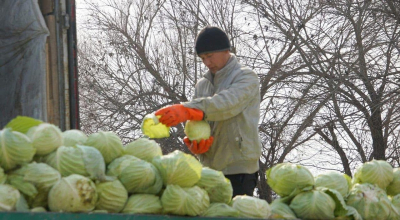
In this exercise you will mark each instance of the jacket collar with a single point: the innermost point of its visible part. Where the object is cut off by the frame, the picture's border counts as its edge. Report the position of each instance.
(220, 74)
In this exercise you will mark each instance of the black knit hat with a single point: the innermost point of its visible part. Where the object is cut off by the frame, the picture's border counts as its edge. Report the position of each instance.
(212, 39)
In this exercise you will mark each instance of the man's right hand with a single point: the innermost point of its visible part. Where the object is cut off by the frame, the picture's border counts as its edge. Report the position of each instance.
(200, 147)
(175, 114)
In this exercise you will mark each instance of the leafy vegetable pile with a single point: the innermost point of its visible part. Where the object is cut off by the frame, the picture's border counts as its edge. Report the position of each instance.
(373, 192)
(44, 169)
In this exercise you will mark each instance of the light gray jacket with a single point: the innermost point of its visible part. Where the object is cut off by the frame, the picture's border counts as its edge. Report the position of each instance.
(231, 104)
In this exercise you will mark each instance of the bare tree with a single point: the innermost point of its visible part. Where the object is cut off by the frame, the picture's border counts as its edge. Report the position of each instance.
(130, 66)
(347, 49)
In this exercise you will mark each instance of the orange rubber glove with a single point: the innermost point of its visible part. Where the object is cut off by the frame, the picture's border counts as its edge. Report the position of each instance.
(198, 148)
(175, 114)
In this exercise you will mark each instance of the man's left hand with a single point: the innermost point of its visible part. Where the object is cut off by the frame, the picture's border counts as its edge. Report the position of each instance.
(198, 147)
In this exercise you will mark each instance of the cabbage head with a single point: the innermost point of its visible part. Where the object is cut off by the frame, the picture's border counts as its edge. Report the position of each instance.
(396, 201)
(342, 210)
(394, 187)
(143, 204)
(280, 210)
(78, 159)
(377, 172)
(112, 196)
(322, 203)
(251, 207)
(34, 180)
(370, 201)
(197, 130)
(178, 168)
(334, 180)
(15, 149)
(217, 186)
(152, 128)
(108, 143)
(11, 199)
(289, 179)
(46, 138)
(143, 148)
(3, 176)
(220, 210)
(190, 201)
(74, 193)
(73, 137)
(138, 176)
(313, 204)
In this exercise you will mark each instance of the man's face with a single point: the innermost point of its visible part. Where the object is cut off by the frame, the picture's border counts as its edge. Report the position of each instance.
(215, 60)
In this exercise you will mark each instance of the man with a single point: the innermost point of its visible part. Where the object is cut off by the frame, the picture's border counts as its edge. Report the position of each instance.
(228, 97)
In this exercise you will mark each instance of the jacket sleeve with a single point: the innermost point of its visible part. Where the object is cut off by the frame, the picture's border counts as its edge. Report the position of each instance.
(231, 101)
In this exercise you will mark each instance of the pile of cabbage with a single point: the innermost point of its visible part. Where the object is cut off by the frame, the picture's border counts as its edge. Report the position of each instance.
(372, 193)
(44, 169)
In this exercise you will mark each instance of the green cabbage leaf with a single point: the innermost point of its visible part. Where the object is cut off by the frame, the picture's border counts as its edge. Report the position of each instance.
(334, 180)
(73, 137)
(217, 186)
(74, 193)
(370, 201)
(394, 187)
(251, 207)
(11, 199)
(34, 180)
(178, 168)
(220, 210)
(108, 143)
(288, 179)
(78, 159)
(46, 138)
(143, 148)
(280, 210)
(190, 201)
(112, 196)
(15, 149)
(143, 204)
(137, 175)
(377, 172)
